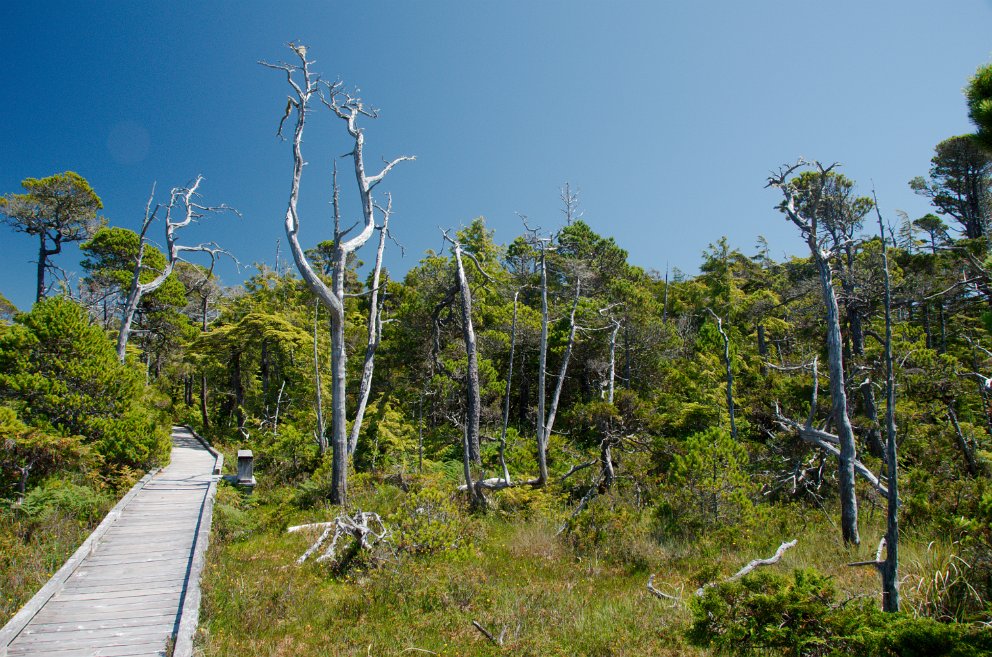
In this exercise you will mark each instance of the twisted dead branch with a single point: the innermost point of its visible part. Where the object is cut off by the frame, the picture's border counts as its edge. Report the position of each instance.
(365, 529)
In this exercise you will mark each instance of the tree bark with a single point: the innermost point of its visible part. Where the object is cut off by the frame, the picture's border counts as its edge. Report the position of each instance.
(890, 569)
(374, 337)
(612, 375)
(239, 392)
(321, 428)
(473, 404)
(874, 437)
(542, 362)
(203, 377)
(838, 399)
(339, 370)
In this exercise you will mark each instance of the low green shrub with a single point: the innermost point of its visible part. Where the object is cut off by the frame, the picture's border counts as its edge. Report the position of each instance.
(82, 503)
(428, 521)
(801, 616)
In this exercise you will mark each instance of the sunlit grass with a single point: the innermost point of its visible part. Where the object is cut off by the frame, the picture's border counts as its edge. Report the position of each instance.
(518, 580)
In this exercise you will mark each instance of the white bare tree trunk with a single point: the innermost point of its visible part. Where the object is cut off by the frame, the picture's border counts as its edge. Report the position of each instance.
(321, 428)
(729, 372)
(890, 568)
(553, 411)
(613, 361)
(349, 108)
(374, 336)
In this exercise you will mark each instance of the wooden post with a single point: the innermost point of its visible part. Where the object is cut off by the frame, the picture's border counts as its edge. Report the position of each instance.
(246, 466)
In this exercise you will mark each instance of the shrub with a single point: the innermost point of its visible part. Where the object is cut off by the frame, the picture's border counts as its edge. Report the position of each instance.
(59, 371)
(708, 483)
(800, 615)
(57, 496)
(428, 521)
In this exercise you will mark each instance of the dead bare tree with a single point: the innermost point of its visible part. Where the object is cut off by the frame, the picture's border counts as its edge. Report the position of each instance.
(730, 373)
(182, 200)
(807, 223)
(542, 366)
(545, 415)
(305, 86)
(890, 568)
(506, 396)
(321, 427)
(471, 453)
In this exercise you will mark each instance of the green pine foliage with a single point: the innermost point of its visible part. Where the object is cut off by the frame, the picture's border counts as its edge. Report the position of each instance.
(59, 372)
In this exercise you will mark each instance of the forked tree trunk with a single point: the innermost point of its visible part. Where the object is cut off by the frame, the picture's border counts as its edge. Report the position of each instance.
(349, 108)
(548, 423)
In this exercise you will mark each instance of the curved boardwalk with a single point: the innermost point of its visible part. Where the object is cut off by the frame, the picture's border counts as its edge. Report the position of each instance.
(125, 592)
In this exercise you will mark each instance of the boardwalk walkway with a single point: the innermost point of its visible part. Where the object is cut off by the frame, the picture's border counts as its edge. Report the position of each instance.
(135, 581)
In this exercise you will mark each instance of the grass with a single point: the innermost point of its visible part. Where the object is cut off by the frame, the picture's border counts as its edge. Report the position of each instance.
(31, 550)
(542, 593)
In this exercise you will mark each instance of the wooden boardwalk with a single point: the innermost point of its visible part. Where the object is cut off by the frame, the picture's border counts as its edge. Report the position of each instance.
(135, 582)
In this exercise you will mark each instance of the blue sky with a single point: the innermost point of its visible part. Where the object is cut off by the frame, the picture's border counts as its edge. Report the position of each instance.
(666, 116)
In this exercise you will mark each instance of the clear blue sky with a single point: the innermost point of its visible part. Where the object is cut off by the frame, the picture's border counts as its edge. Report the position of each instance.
(667, 116)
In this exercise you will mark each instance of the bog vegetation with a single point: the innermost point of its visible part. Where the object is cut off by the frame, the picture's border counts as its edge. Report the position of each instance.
(526, 444)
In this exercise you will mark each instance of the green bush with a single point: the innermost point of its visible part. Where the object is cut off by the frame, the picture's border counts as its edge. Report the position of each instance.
(428, 521)
(800, 615)
(57, 496)
(708, 482)
(59, 371)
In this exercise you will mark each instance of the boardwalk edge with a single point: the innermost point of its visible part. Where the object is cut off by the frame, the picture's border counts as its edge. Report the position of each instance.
(189, 614)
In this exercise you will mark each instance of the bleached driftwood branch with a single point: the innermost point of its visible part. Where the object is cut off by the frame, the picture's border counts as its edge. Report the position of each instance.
(366, 529)
(775, 558)
(675, 599)
(752, 565)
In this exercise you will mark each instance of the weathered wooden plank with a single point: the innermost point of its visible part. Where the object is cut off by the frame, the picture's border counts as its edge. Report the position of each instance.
(142, 647)
(104, 624)
(161, 600)
(119, 594)
(55, 615)
(96, 638)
